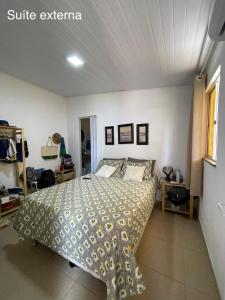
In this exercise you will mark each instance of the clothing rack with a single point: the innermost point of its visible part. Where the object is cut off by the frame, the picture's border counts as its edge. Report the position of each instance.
(14, 132)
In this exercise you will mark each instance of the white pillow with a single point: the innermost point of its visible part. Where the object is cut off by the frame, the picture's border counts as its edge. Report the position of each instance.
(134, 173)
(106, 171)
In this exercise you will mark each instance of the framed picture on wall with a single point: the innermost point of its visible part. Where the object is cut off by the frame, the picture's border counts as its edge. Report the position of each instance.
(126, 134)
(109, 135)
(142, 134)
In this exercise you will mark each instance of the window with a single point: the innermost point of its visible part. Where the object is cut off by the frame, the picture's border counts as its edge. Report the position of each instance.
(212, 93)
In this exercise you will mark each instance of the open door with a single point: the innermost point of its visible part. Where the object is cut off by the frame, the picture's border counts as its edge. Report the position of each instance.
(94, 143)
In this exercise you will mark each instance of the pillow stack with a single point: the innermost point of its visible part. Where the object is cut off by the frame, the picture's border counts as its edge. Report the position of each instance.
(132, 169)
(144, 160)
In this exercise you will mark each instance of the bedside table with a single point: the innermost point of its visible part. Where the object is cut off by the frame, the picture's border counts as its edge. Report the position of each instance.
(165, 186)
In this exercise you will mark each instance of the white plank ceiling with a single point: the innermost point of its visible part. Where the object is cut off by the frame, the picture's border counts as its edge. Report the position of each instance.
(126, 44)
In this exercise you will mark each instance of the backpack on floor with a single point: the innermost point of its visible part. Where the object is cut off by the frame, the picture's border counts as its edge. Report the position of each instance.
(47, 179)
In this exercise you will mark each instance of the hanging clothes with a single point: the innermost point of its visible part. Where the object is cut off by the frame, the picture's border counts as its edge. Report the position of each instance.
(11, 151)
(4, 144)
(19, 150)
(62, 148)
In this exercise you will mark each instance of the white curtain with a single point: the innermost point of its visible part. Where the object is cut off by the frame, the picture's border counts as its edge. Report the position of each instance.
(197, 137)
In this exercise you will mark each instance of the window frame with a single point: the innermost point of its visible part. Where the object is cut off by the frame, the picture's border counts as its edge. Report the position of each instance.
(214, 83)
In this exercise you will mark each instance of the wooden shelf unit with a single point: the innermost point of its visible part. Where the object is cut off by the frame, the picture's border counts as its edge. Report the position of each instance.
(9, 211)
(65, 175)
(14, 132)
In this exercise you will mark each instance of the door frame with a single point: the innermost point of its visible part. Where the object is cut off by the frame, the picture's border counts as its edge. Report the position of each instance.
(93, 134)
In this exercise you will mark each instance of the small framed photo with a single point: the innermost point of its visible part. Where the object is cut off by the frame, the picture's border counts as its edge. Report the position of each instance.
(142, 134)
(109, 135)
(126, 134)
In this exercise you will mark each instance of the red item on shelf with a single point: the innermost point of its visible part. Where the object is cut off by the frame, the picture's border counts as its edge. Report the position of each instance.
(61, 167)
(7, 205)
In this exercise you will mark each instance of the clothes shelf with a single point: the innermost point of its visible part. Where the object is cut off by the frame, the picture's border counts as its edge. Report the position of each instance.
(14, 133)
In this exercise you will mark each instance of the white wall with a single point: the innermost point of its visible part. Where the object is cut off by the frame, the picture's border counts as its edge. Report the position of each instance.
(166, 110)
(211, 219)
(39, 112)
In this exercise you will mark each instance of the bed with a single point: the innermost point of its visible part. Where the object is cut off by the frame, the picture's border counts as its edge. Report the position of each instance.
(96, 224)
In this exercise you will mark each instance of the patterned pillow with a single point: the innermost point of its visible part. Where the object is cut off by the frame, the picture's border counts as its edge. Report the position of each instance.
(114, 163)
(147, 164)
(143, 160)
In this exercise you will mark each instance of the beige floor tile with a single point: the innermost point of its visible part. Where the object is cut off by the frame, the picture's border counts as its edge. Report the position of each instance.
(78, 292)
(178, 231)
(151, 227)
(166, 217)
(25, 291)
(159, 286)
(163, 257)
(199, 273)
(25, 251)
(62, 264)
(4, 223)
(15, 284)
(7, 236)
(193, 294)
(54, 281)
(171, 232)
(93, 284)
(194, 237)
(33, 269)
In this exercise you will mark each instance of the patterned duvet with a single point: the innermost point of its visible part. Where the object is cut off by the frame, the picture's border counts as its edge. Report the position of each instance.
(96, 224)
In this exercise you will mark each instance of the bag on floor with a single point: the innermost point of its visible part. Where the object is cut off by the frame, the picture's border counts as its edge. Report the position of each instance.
(178, 195)
(47, 179)
(49, 151)
(31, 175)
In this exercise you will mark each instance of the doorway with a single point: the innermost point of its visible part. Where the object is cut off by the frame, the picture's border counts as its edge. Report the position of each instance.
(88, 144)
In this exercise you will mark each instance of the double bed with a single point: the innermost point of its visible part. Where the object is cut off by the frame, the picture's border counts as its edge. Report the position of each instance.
(95, 223)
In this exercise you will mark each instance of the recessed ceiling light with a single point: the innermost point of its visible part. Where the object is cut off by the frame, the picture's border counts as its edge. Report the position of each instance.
(75, 60)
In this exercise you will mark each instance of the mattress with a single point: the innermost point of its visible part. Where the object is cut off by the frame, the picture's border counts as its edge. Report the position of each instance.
(96, 224)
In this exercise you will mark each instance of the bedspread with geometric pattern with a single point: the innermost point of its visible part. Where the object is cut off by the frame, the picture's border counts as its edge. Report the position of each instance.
(97, 224)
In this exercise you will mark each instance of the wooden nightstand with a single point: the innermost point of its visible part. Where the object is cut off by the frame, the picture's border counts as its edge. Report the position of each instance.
(165, 186)
(65, 175)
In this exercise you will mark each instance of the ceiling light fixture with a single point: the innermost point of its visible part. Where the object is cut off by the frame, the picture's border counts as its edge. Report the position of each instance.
(75, 60)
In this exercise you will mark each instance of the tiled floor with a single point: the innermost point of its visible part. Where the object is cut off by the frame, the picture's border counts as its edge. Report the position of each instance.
(172, 256)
